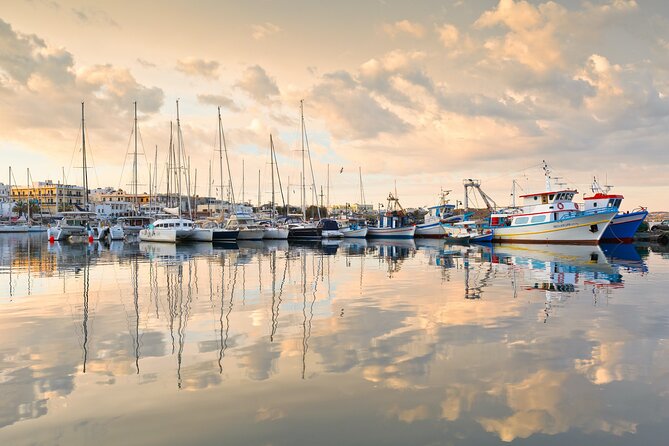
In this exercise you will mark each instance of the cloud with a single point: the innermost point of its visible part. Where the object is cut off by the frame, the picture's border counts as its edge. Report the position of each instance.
(118, 86)
(404, 27)
(350, 111)
(94, 16)
(198, 67)
(448, 35)
(264, 30)
(218, 100)
(145, 63)
(257, 84)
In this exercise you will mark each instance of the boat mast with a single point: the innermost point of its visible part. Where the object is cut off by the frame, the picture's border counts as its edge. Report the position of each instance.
(328, 188)
(362, 191)
(83, 154)
(259, 198)
(227, 162)
(28, 183)
(134, 165)
(302, 185)
(271, 163)
(278, 175)
(178, 159)
(209, 192)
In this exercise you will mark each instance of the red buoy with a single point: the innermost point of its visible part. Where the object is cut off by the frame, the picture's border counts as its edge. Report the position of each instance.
(90, 239)
(52, 239)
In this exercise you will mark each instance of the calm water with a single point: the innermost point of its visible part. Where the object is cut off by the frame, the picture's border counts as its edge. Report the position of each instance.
(353, 343)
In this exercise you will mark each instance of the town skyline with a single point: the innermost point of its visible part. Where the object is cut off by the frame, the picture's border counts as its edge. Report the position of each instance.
(425, 95)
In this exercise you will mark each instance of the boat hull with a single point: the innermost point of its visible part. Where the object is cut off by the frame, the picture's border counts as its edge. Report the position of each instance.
(580, 230)
(250, 234)
(403, 232)
(305, 233)
(201, 235)
(163, 235)
(332, 234)
(623, 227)
(275, 234)
(224, 235)
(355, 233)
(483, 238)
(60, 233)
(116, 233)
(430, 230)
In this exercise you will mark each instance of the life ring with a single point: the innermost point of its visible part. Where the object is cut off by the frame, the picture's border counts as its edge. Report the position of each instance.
(576, 206)
(560, 206)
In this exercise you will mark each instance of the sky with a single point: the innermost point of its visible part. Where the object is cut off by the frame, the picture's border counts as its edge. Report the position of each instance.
(418, 95)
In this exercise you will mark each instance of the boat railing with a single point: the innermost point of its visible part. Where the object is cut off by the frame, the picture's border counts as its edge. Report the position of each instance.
(572, 214)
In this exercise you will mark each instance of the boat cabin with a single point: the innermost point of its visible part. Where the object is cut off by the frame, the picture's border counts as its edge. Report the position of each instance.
(393, 219)
(172, 224)
(327, 224)
(600, 200)
(539, 208)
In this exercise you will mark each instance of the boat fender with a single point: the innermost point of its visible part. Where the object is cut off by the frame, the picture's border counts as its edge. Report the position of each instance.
(560, 206)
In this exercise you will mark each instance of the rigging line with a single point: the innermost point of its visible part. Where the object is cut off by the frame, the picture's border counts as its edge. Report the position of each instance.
(74, 152)
(90, 153)
(311, 167)
(125, 158)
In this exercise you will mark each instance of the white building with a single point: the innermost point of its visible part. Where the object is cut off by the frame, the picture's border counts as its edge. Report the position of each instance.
(111, 210)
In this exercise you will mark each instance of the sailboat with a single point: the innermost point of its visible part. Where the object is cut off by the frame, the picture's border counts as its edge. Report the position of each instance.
(75, 223)
(174, 229)
(298, 228)
(219, 232)
(275, 231)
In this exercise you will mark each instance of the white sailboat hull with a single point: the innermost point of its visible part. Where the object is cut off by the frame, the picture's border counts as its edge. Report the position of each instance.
(164, 235)
(60, 233)
(354, 233)
(332, 234)
(202, 235)
(430, 230)
(275, 234)
(584, 229)
(116, 233)
(403, 232)
(250, 234)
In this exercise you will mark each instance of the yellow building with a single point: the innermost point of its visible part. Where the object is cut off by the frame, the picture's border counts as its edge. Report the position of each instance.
(52, 197)
(114, 196)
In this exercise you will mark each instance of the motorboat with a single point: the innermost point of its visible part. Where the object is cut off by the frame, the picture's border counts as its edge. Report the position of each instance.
(168, 230)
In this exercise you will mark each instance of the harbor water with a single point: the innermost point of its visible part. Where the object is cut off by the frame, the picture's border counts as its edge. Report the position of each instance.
(349, 342)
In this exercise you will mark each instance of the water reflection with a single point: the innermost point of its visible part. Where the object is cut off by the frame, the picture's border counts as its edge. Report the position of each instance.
(430, 342)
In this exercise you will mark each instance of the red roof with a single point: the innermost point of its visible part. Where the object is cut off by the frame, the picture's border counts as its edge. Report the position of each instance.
(548, 193)
(600, 196)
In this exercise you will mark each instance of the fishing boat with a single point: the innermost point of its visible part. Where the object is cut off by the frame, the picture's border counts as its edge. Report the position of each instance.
(551, 217)
(329, 228)
(468, 231)
(432, 227)
(624, 225)
(393, 223)
(356, 228)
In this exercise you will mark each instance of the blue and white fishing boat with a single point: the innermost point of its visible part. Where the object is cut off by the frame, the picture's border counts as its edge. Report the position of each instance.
(432, 227)
(393, 223)
(624, 225)
(551, 217)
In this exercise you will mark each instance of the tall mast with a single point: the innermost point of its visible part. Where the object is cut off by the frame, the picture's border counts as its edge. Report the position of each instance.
(243, 175)
(134, 164)
(209, 191)
(227, 162)
(155, 176)
(28, 183)
(278, 175)
(83, 154)
(259, 190)
(178, 159)
(302, 192)
(328, 190)
(271, 163)
(362, 193)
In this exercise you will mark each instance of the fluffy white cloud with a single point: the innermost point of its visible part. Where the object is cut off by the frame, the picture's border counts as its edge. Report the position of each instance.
(193, 66)
(256, 83)
(404, 27)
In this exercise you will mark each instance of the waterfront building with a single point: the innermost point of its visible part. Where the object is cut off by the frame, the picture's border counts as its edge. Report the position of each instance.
(51, 197)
